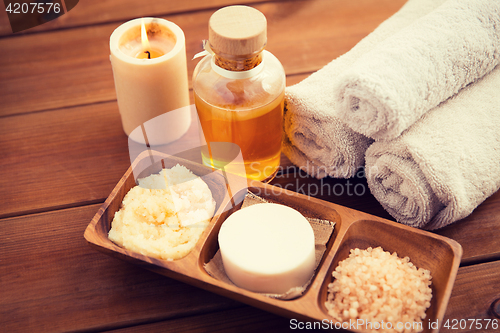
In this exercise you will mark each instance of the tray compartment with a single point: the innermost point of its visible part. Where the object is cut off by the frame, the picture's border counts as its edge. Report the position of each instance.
(353, 229)
(439, 255)
(146, 164)
(278, 195)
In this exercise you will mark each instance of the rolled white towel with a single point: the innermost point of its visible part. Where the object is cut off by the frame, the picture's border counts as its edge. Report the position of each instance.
(322, 146)
(315, 139)
(446, 164)
(406, 75)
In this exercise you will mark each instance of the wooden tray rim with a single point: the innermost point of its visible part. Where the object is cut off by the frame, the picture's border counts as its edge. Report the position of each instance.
(198, 277)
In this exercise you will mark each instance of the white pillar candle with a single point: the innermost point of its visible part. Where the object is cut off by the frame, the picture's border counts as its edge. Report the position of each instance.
(151, 88)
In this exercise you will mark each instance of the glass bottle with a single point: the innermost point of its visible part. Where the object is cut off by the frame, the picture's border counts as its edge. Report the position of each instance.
(239, 94)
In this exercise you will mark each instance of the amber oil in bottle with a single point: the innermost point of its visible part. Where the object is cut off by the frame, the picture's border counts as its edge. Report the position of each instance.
(239, 95)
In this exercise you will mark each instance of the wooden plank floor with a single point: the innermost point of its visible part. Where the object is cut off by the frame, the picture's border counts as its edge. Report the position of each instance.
(80, 72)
(63, 151)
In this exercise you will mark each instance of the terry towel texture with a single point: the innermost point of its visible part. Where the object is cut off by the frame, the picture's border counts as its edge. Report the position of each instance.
(316, 140)
(446, 164)
(389, 88)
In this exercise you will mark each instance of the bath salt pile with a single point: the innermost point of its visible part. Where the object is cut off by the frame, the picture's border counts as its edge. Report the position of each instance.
(376, 286)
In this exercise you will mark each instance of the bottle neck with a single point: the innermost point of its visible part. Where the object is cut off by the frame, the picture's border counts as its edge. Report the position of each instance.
(238, 64)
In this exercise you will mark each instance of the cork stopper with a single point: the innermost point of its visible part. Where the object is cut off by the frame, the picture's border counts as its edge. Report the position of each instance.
(237, 31)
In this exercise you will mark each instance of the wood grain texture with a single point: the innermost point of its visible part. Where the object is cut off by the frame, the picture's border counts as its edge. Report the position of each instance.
(58, 283)
(60, 158)
(63, 151)
(52, 281)
(65, 157)
(61, 286)
(461, 306)
(479, 233)
(353, 229)
(86, 147)
(476, 287)
(94, 12)
(71, 67)
(82, 146)
(241, 320)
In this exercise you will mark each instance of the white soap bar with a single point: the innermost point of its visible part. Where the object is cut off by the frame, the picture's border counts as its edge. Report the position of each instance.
(267, 248)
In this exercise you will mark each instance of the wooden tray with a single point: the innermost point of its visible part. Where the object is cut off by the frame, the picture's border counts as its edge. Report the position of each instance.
(353, 229)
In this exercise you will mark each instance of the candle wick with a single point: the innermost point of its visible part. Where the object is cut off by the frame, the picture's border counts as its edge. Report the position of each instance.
(149, 54)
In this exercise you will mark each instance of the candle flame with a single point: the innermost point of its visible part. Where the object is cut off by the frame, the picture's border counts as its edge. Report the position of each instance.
(144, 37)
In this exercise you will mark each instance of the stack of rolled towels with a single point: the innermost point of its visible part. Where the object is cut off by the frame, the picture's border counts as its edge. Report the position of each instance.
(417, 103)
